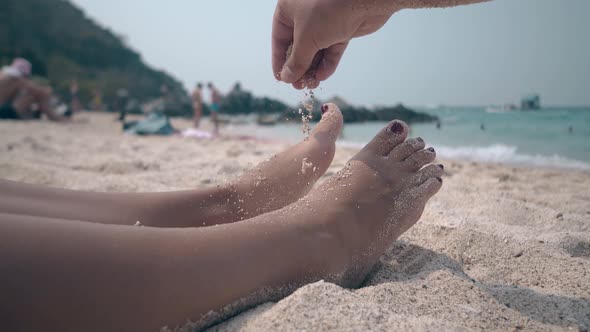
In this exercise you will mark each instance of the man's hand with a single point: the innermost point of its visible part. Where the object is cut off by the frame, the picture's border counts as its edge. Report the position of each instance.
(316, 33)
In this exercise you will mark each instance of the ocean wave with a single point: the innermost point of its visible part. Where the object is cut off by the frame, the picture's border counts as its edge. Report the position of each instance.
(498, 153)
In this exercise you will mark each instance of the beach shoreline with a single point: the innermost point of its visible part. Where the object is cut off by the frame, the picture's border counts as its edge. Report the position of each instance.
(501, 247)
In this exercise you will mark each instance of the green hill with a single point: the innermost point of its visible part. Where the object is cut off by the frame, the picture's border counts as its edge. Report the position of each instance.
(63, 44)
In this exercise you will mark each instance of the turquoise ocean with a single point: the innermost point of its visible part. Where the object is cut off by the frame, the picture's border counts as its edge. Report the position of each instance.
(533, 138)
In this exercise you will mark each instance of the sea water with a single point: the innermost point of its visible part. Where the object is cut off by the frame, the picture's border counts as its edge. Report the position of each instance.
(534, 138)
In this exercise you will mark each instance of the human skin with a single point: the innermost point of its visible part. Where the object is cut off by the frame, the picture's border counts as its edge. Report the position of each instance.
(76, 104)
(215, 98)
(197, 98)
(319, 32)
(273, 184)
(23, 93)
(67, 275)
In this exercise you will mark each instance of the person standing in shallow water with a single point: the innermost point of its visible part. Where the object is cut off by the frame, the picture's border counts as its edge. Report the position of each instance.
(197, 97)
(214, 107)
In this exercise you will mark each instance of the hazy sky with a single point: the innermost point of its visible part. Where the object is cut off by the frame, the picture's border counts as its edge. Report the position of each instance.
(489, 53)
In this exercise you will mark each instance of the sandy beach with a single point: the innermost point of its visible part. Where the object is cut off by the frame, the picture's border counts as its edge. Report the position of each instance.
(499, 248)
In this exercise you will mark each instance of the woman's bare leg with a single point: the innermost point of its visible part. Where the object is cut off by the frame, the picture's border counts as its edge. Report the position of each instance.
(9, 87)
(273, 184)
(65, 276)
(30, 93)
(198, 110)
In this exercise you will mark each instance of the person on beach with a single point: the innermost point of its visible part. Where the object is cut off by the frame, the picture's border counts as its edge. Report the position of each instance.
(96, 104)
(19, 95)
(73, 259)
(121, 101)
(214, 107)
(197, 98)
(75, 103)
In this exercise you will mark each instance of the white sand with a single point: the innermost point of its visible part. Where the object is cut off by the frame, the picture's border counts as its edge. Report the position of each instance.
(499, 248)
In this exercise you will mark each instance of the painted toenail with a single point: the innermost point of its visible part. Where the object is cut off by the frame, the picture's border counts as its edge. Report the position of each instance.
(441, 166)
(396, 128)
(439, 180)
(324, 108)
(430, 149)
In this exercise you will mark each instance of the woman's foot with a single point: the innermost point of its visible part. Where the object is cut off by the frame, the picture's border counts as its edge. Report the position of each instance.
(379, 195)
(289, 175)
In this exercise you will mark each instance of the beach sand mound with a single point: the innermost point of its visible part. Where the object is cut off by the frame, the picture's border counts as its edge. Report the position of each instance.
(499, 248)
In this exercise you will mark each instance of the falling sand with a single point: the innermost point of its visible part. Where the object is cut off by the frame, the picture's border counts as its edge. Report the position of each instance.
(307, 112)
(308, 100)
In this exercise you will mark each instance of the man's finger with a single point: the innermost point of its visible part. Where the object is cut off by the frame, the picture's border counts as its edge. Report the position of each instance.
(300, 59)
(309, 80)
(282, 38)
(305, 82)
(330, 61)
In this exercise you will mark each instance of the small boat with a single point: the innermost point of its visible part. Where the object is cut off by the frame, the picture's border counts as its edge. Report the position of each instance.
(501, 109)
(267, 120)
(531, 102)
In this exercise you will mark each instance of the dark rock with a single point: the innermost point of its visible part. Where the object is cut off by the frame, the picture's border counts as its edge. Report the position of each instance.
(354, 114)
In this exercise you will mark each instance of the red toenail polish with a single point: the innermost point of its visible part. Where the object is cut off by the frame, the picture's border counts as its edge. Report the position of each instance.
(430, 149)
(439, 180)
(396, 128)
(324, 108)
(441, 166)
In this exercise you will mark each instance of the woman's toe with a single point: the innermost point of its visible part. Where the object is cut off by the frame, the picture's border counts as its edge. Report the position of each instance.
(388, 138)
(418, 159)
(406, 149)
(330, 126)
(428, 172)
(429, 188)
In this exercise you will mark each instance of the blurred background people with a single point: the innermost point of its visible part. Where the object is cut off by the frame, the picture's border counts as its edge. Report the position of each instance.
(215, 104)
(21, 98)
(197, 99)
(75, 103)
(121, 103)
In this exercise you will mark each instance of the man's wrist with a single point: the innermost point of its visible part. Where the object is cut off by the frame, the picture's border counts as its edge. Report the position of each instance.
(407, 4)
(385, 7)
(373, 7)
